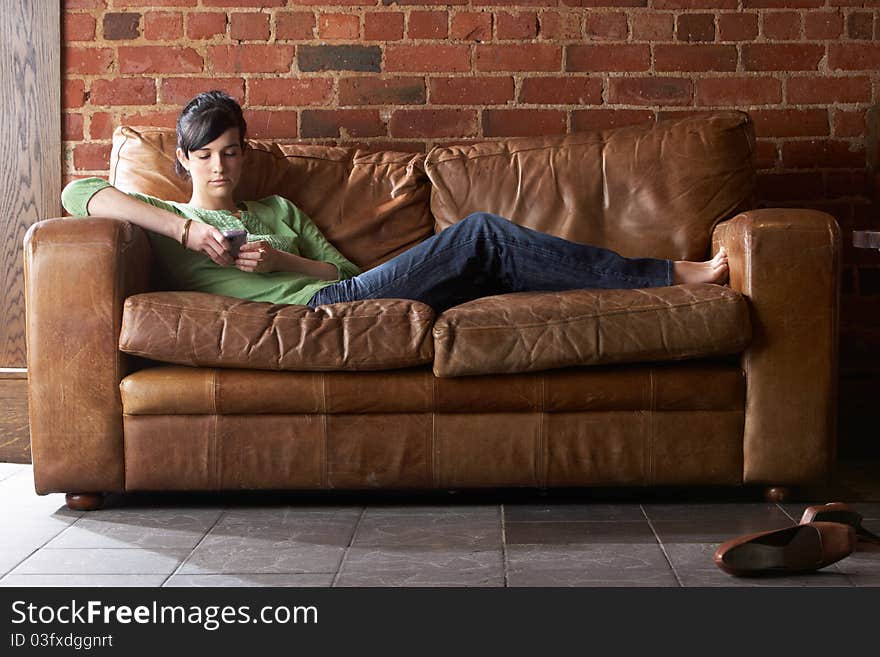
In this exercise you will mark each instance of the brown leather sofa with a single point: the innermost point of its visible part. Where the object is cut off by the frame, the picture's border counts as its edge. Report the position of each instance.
(135, 388)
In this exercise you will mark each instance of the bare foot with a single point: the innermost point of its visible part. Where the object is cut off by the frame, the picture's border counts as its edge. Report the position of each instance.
(710, 271)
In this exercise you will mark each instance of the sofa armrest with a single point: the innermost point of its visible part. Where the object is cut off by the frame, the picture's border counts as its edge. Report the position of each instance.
(786, 262)
(78, 273)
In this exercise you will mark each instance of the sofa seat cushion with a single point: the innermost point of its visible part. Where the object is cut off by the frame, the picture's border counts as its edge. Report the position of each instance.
(199, 329)
(531, 331)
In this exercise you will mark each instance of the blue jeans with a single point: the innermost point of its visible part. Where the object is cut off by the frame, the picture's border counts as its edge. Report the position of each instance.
(484, 254)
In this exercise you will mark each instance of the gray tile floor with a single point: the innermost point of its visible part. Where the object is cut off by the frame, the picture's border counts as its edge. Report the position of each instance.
(501, 538)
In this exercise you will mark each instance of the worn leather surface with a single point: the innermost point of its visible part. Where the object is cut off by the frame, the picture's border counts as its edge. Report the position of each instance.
(786, 262)
(77, 275)
(371, 206)
(207, 330)
(532, 331)
(424, 450)
(650, 190)
(707, 384)
(624, 425)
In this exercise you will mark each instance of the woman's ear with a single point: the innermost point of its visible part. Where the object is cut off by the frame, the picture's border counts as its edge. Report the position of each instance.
(182, 158)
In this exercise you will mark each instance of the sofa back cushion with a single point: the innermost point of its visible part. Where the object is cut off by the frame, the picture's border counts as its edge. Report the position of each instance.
(370, 205)
(648, 190)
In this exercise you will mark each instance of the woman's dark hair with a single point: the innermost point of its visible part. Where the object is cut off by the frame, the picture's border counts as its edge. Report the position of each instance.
(206, 117)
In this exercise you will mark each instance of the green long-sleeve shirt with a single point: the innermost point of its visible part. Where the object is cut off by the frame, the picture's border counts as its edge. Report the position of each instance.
(273, 219)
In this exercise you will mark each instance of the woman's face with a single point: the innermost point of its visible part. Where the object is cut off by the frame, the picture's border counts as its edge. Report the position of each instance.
(215, 168)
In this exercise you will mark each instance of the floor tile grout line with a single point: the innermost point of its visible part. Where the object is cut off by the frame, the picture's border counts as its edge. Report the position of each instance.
(504, 561)
(351, 541)
(195, 547)
(42, 546)
(662, 547)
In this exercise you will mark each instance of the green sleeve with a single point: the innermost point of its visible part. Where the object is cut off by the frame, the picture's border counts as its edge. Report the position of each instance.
(76, 195)
(315, 246)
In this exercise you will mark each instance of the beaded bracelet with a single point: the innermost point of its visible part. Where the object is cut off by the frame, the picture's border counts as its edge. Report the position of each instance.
(185, 231)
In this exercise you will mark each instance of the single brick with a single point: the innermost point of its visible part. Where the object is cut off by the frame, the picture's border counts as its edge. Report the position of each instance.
(782, 57)
(119, 26)
(588, 120)
(561, 91)
(295, 25)
(699, 4)
(71, 126)
(235, 3)
(86, 61)
(518, 57)
(78, 27)
(339, 58)
(823, 24)
(204, 25)
(428, 57)
(854, 56)
(159, 59)
(782, 25)
(279, 92)
(342, 123)
(694, 57)
(249, 26)
(178, 91)
(695, 27)
(265, 124)
(427, 25)
(608, 57)
(384, 26)
(377, 91)
(471, 90)
(522, 25)
(339, 26)
(738, 91)
(860, 25)
(101, 125)
(123, 91)
(434, 123)
(163, 25)
(810, 90)
(73, 92)
(471, 26)
(252, 58)
(156, 118)
(790, 122)
(653, 27)
(817, 153)
(605, 26)
(91, 157)
(650, 91)
(737, 27)
(848, 123)
(523, 122)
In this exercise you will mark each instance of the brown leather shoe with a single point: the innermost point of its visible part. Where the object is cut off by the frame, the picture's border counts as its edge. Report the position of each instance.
(839, 512)
(797, 549)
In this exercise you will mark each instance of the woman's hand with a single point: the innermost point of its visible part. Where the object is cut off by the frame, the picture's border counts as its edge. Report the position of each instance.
(258, 257)
(207, 239)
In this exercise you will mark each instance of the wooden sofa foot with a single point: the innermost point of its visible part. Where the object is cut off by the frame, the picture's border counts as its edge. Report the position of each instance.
(777, 494)
(84, 501)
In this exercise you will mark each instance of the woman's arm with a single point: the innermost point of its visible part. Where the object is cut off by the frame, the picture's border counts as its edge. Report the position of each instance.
(202, 237)
(110, 202)
(261, 257)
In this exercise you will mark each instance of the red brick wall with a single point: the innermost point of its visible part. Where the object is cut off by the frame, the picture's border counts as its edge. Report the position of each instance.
(412, 73)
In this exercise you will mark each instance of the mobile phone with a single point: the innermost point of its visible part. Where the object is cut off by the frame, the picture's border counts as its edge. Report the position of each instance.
(237, 239)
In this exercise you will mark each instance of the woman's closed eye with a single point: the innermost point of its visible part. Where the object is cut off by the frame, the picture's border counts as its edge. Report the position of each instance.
(205, 157)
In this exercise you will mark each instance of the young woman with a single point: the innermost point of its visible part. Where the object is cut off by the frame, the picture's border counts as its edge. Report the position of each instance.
(288, 260)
